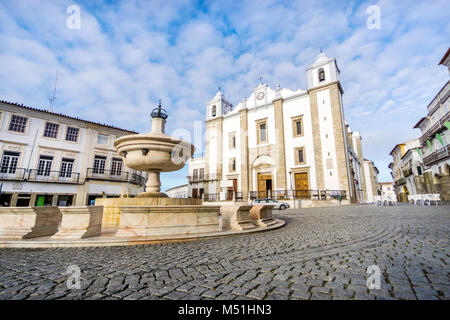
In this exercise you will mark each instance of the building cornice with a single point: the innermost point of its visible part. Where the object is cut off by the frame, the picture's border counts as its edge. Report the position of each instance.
(324, 86)
(43, 113)
(216, 119)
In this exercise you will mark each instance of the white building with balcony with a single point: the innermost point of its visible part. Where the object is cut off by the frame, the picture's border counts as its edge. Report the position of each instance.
(435, 140)
(407, 169)
(54, 159)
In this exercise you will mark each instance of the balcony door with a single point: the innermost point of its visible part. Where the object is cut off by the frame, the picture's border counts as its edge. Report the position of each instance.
(66, 168)
(44, 166)
(116, 167)
(9, 162)
(99, 165)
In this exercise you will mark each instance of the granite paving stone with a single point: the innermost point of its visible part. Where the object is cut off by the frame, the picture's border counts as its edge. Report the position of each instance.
(321, 253)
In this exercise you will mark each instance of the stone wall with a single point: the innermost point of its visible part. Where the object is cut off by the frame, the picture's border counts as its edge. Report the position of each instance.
(111, 206)
(437, 185)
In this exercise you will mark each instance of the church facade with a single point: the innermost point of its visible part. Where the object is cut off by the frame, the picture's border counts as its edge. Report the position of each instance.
(282, 144)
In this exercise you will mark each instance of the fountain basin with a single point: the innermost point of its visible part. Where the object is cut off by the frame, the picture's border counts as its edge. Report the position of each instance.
(154, 152)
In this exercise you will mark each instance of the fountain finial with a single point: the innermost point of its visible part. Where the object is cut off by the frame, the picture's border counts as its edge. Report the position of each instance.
(159, 112)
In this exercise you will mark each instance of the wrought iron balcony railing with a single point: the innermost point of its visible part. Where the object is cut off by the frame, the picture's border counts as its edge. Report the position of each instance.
(115, 175)
(137, 179)
(434, 129)
(103, 174)
(407, 172)
(437, 155)
(400, 181)
(42, 175)
(12, 173)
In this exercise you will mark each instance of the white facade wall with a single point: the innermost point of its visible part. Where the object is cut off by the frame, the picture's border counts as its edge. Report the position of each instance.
(367, 175)
(292, 108)
(231, 125)
(327, 138)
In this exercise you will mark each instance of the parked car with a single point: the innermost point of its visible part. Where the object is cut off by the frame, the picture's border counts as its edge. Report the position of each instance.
(278, 204)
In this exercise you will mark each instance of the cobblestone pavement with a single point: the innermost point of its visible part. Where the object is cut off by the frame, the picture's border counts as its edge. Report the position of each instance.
(321, 253)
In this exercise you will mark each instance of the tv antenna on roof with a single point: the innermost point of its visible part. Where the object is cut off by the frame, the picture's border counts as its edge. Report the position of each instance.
(53, 98)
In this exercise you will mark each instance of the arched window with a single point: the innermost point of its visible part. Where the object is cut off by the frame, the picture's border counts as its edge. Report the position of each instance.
(321, 75)
(213, 111)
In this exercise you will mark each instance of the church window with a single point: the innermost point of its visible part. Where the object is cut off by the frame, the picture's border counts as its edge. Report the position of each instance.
(232, 141)
(297, 126)
(299, 155)
(232, 164)
(261, 133)
(213, 111)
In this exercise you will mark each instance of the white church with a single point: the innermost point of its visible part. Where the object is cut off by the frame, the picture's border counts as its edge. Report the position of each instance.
(283, 144)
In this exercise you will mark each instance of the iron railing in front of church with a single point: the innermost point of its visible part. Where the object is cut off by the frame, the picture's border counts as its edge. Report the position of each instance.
(298, 194)
(277, 195)
(285, 194)
(211, 197)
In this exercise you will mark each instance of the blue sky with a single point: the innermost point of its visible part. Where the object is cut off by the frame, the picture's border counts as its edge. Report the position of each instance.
(128, 54)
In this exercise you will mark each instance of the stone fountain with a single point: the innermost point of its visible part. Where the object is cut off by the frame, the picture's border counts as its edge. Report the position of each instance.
(152, 213)
(154, 152)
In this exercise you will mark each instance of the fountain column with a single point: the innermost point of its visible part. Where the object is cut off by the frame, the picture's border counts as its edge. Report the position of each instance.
(153, 184)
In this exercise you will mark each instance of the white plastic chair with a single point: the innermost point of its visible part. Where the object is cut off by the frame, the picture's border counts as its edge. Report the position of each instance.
(419, 199)
(425, 198)
(391, 201)
(415, 198)
(377, 200)
(411, 198)
(436, 197)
